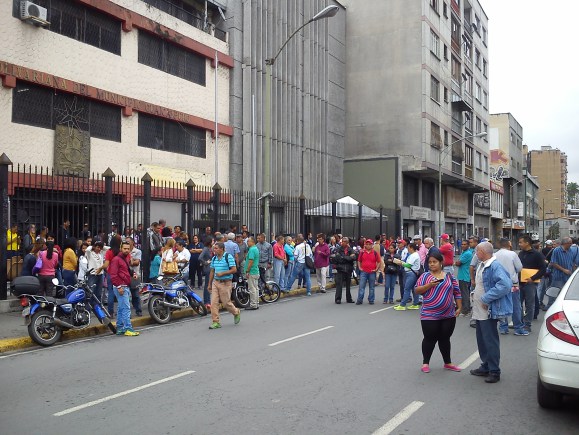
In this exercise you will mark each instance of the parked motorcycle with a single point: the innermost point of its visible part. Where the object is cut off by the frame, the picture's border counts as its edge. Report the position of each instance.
(174, 295)
(268, 291)
(47, 317)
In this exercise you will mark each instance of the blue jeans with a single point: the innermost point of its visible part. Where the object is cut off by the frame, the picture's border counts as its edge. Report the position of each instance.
(279, 272)
(370, 278)
(68, 278)
(487, 340)
(206, 294)
(111, 295)
(410, 279)
(123, 309)
(389, 286)
(288, 271)
(95, 283)
(299, 269)
(528, 295)
(517, 311)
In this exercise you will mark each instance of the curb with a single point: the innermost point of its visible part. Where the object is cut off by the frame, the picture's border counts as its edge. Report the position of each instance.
(18, 343)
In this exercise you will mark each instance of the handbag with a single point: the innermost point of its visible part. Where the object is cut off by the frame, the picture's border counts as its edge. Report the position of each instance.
(169, 268)
(308, 259)
(37, 266)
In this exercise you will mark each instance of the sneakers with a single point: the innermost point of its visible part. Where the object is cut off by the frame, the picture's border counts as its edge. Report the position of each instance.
(237, 318)
(505, 332)
(131, 333)
(400, 308)
(479, 372)
(473, 323)
(215, 325)
(492, 378)
(523, 333)
(323, 291)
(452, 368)
(414, 307)
(425, 368)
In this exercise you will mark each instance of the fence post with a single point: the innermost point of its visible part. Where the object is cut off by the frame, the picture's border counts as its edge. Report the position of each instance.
(302, 216)
(334, 215)
(146, 245)
(190, 198)
(4, 163)
(360, 220)
(108, 175)
(216, 207)
(381, 218)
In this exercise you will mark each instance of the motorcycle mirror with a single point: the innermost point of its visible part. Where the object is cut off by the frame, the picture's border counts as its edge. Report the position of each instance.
(55, 281)
(160, 278)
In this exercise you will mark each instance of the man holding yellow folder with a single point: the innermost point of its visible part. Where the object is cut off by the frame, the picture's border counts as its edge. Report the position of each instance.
(533, 269)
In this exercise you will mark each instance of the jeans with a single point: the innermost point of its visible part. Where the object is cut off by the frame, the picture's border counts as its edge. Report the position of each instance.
(95, 283)
(370, 278)
(136, 300)
(321, 276)
(465, 294)
(196, 270)
(517, 311)
(410, 279)
(206, 294)
(123, 309)
(279, 272)
(528, 294)
(299, 269)
(288, 271)
(68, 278)
(111, 295)
(401, 283)
(541, 290)
(389, 286)
(487, 340)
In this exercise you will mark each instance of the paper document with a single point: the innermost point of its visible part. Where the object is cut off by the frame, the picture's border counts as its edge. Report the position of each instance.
(528, 273)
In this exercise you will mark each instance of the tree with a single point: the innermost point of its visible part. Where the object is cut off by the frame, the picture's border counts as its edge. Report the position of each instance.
(572, 192)
(554, 231)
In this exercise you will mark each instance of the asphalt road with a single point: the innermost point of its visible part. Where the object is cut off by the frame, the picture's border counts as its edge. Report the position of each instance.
(358, 373)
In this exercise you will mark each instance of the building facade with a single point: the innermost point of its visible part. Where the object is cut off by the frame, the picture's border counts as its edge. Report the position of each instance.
(550, 166)
(417, 84)
(308, 96)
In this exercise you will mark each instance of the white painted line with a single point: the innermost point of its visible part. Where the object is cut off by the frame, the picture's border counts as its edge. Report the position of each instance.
(399, 418)
(123, 393)
(299, 336)
(382, 309)
(467, 362)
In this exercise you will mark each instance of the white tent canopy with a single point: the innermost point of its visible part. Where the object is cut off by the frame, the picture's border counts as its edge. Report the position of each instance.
(346, 207)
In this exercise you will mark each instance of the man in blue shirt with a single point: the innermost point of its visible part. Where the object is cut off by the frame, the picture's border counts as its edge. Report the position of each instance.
(563, 263)
(463, 264)
(222, 269)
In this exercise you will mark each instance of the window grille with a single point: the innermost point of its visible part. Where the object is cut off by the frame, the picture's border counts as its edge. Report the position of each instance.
(166, 135)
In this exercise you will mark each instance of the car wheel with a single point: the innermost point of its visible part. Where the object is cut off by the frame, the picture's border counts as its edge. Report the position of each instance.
(547, 398)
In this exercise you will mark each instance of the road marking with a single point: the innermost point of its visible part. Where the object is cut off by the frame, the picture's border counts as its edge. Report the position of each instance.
(467, 362)
(399, 418)
(123, 393)
(382, 309)
(299, 336)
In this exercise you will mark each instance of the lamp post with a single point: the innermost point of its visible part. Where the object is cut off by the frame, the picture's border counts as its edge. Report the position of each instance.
(327, 12)
(440, 160)
(546, 190)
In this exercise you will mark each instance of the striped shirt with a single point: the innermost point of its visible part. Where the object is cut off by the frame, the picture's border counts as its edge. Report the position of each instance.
(565, 259)
(438, 302)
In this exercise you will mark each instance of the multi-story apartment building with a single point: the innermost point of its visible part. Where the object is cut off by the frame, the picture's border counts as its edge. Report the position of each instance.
(550, 166)
(417, 85)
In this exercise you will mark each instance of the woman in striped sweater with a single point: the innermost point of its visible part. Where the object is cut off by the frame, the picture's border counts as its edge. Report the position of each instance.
(441, 305)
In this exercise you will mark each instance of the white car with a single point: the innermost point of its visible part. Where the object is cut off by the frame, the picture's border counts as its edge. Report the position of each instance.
(558, 347)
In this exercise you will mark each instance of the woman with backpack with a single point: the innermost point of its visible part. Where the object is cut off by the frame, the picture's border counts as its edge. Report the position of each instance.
(391, 272)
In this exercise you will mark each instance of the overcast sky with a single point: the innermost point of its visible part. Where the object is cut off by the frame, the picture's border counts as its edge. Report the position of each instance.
(534, 71)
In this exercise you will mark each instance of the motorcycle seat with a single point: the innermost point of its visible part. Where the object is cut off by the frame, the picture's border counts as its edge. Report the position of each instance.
(57, 301)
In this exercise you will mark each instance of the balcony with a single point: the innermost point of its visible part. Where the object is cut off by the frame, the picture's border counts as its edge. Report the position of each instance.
(455, 46)
(455, 7)
(462, 103)
(456, 126)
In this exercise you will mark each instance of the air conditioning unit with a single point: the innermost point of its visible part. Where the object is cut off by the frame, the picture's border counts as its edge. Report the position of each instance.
(33, 13)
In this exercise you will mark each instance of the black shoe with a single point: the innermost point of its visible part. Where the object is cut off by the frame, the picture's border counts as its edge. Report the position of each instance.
(338, 302)
(479, 372)
(251, 308)
(358, 303)
(371, 303)
(473, 323)
(139, 314)
(492, 378)
(350, 302)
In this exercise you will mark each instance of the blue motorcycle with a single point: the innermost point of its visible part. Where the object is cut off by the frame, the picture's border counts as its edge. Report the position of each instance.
(47, 317)
(174, 294)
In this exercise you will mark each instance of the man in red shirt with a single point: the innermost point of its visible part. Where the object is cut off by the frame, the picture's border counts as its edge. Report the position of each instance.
(447, 251)
(368, 263)
(120, 275)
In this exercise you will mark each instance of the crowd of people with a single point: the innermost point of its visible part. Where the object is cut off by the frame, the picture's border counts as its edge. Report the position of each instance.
(497, 290)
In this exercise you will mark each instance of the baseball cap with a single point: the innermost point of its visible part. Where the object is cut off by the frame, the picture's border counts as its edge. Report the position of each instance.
(368, 241)
(445, 236)
(484, 239)
(417, 237)
(549, 242)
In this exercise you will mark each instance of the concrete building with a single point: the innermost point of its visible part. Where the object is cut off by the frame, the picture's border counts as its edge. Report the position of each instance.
(550, 166)
(308, 96)
(417, 83)
(125, 84)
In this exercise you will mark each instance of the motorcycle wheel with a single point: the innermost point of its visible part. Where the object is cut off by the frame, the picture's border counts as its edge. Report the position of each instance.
(271, 292)
(241, 296)
(43, 330)
(158, 312)
(198, 307)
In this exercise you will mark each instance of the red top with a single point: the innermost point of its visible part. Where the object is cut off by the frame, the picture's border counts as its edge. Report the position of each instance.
(279, 251)
(109, 255)
(119, 270)
(447, 252)
(49, 265)
(369, 260)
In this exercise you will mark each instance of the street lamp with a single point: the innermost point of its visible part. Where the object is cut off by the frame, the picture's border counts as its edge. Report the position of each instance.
(327, 12)
(555, 199)
(440, 160)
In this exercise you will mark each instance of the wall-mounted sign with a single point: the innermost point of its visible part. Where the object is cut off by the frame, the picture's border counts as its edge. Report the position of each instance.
(420, 213)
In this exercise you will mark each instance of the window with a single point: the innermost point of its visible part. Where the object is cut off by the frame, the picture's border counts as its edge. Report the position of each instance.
(485, 100)
(477, 23)
(434, 89)
(434, 5)
(478, 125)
(445, 52)
(446, 138)
(484, 36)
(468, 161)
(477, 57)
(445, 94)
(478, 161)
(409, 190)
(486, 130)
(478, 92)
(445, 10)
(455, 69)
(43, 107)
(486, 165)
(468, 123)
(468, 50)
(162, 55)
(165, 135)
(468, 83)
(84, 24)
(485, 67)
(435, 138)
(455, 32)
(434, 43)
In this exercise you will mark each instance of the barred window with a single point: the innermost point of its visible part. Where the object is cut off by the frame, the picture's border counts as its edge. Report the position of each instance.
(165, 135)
(165, 56)
(43, 107)
(79, 22)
